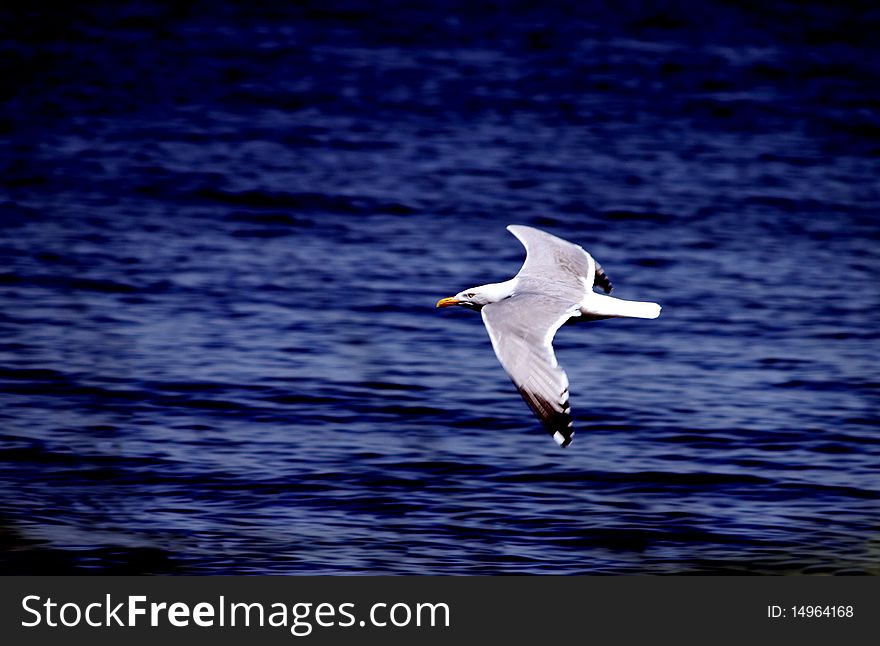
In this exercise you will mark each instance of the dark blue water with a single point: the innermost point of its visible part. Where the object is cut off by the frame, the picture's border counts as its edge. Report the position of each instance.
(224, 230)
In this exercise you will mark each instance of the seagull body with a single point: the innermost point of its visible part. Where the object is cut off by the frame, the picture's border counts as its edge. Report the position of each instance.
(522, 315)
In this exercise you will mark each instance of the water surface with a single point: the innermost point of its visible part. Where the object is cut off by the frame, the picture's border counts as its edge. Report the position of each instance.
(224, 231)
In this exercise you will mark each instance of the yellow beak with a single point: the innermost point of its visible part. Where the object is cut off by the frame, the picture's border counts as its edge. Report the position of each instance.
(447, 302)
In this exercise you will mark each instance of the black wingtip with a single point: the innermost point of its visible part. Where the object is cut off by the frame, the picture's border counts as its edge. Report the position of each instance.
(605, 283)
(601, 279)
(563, 440)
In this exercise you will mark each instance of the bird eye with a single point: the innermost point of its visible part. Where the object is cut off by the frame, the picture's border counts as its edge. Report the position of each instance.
(470, 294)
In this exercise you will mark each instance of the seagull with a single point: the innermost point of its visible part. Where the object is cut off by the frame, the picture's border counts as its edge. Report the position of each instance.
(522, 315)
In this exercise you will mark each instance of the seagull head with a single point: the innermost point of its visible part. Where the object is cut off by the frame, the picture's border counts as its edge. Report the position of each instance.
(476, 297)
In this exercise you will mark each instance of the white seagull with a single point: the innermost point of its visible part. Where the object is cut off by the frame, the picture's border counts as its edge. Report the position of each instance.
(522, 314)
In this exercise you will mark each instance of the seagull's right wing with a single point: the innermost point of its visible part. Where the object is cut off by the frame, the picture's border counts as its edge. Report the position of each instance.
(558, 264)
(521, 329)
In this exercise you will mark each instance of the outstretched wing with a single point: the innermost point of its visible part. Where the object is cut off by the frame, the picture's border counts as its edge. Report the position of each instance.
(556, 264)
(521, 329)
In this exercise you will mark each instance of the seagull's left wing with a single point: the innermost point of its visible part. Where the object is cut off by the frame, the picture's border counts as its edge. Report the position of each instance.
(521, 329)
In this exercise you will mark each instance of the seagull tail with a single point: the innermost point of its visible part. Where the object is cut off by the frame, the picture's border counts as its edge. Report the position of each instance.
(600, 306)
(640, 309)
